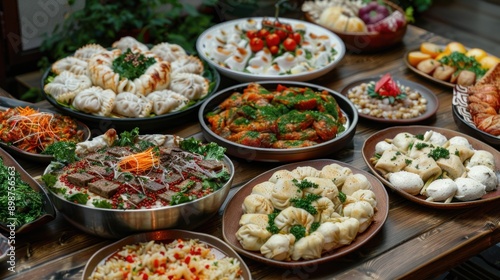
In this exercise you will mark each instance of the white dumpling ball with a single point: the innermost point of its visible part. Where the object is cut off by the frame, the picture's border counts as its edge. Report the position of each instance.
(406, 181)
(441, 190)
(484, 175)
(469, 189)
(383, 146)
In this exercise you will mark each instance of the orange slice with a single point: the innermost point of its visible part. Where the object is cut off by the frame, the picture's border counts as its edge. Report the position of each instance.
(415, 57)
(431, 49)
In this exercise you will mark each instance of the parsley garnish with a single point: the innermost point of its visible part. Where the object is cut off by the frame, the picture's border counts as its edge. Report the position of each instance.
(130, 65)
(304, 184)
(305, 202)
(298, 231)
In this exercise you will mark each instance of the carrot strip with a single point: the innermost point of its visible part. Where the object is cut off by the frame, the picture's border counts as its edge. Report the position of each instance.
(140, 162)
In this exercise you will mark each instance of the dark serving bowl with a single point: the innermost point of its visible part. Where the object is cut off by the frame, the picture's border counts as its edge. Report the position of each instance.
(280, 155)
(49, 212)
(146, 125)
(463, 119)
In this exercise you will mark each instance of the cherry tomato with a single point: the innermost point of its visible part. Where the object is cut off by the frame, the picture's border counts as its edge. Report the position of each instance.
(256, 44)
(277, 23)
(272, 39)
(274, 49)
(281, 33)
(289, 44)
(251, 34)
(267, 22)
(297, 37)
(288, 28)
(263, 33)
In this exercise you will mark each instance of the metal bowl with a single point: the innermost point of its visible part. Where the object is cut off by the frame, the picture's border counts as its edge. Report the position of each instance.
(118, 223)
(280, 155)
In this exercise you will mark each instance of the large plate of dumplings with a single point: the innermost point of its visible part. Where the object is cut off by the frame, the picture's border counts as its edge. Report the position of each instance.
(435, 167)
(305, 213)
(129, 84)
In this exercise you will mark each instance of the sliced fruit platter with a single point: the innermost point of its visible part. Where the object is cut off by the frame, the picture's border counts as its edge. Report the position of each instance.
(129, 84)
(450, 64)
(263, 48)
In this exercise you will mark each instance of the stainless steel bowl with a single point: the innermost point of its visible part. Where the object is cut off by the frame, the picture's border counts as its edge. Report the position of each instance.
(115, 223)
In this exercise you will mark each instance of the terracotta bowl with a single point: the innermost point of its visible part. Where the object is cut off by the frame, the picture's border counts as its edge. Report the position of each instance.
(357, 42)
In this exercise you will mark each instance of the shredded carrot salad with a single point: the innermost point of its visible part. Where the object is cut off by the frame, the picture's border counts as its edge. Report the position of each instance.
(32, 131)
(140, 162)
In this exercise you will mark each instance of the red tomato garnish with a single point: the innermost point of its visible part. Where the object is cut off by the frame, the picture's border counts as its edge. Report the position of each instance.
(272, 40)
(263, 33)
(277, 23)
(281, 33)
(297, 37)
(281, 88)
(256, 44)
(274, 49)
(288, 28)
(386, 86)
(187, 259)
(129, 259)
(251, 34)
(289, 44)
(145, 276)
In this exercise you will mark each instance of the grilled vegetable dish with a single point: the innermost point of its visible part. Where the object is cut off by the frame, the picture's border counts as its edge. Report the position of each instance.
(288, 117)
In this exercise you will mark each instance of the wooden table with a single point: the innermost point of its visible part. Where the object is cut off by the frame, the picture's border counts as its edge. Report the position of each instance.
(416, 242)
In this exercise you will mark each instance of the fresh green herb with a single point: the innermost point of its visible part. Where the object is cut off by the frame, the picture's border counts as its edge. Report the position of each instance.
(28, 202)
(463, 62)
(62, 151)
(298, 231)
(420, 145)
(419, 136)
(306, 202)
(127, 138)
(49, 179)
(102, 204)
(314, 226)
(79, 198)
(304, 184)
(408, 161)
(217, 181)
(130, 65)
(180, 198)
(209, 151)
(438, 153)
(342, 197)
(272, 228)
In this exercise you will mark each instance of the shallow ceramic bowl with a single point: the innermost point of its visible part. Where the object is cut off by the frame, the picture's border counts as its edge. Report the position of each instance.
(203, 46)
(152, 124)
(233, 213)
(118, 223)
(217, 246)
(463, 119)
(48, 208)
(368, 41)
(368, 152)
(280, 155)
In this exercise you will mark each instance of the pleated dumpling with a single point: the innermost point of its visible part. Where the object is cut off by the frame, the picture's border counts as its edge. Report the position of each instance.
(361, 211)
(71, 64)
(330, 232)
(167, 101)
(278, 247)
(308, 247)
(323, 187)
(293, 216)
(129, 42)
(66, 85)
(131, 105)
(283, 174)
(95, 101)
(265, 189)
(86, 52)
(257, 204)
(336, 173)
(283, 192)
(156, 77)
(187, 64)
(101, 73)
(168, 52)
(261, 220)
(306, 171)
(324, 207)
(252, 237)
(192, 86)
(356, 182)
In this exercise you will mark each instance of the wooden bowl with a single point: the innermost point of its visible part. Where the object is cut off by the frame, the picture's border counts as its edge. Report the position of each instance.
(357, 42)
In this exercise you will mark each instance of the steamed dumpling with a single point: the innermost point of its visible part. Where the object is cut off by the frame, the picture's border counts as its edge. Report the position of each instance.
(265, 189)
(192, 86)
(167, 101)
(323, 187)
(356, 182)
(86, 52)
(361, 211)
(130, 105)
(278, 247)
(257, 204)
(306, 171)
(324, 207)
(187, 64)
(95, 101)
(71, 64)
(293, 216)
(336, 173)
(283, 191)
(252, 237)
(168, 52)
(330, 232)
(308, 247)
(262, 220)
(129, 42)
(283, 174)
(66, 85)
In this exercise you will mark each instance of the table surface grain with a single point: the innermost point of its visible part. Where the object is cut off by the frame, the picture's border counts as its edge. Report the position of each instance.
(416, 242)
